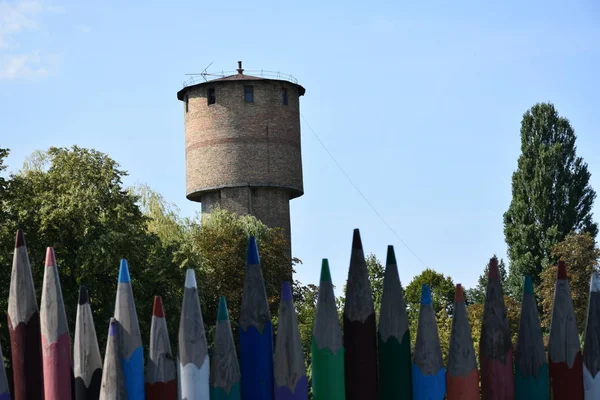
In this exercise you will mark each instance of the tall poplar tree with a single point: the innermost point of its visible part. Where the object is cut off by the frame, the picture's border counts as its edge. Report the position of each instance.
(551, 194)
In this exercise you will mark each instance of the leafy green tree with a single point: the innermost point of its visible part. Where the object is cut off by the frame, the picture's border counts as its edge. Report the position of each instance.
(551, 194)
(476, 295)
(581, 257)
(442, 291)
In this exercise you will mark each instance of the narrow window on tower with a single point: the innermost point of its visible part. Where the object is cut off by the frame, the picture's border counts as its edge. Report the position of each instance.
(187, 103)
(249, 94)
(210, 95)
(284, 97)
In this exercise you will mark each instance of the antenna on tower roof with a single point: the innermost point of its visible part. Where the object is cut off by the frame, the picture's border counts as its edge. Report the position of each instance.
(203, 73)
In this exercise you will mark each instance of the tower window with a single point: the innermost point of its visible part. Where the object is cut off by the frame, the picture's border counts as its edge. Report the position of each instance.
(249, 94)
(187, 103)
(284, 96)
(210, 95)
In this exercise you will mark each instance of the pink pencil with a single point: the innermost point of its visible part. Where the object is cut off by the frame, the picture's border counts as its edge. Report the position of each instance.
(56, 343)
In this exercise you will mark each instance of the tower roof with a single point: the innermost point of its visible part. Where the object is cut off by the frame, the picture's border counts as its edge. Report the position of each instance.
(241, 77)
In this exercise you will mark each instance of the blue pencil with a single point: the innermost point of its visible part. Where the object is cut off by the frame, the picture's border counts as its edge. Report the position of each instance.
(131, 339)
(429, 374)
(256, 333)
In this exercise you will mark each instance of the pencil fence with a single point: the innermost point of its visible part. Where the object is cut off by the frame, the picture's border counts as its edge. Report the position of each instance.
(356, 359)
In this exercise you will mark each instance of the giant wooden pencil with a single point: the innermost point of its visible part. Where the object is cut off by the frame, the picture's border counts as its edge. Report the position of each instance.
(224, 367)
(360, 332)
(495, 347)
(4, 389)
(462, 379)
(591, 343)
(113, 377)
(132, 353)
(256, 333)
(328, 382)
(193, 350)
(428, 372)
(56, 343)
(564, 352)
(290, 371)
(24, 327)
(393, 336)
(531, 368)
(87, 360)
(161, 379)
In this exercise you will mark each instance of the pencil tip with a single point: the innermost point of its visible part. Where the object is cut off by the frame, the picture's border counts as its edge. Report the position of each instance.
(112, 330)
(425, 294)
(222, 314)
(459, 294)
(356, 241)
(20, 239)
(83, 295)
(124, 272)
(528, 285)
(325, 273)
(562, 270)
(253, 258)
(493, 269)
(286, 291)
(50, 257)
(157, 308)
(595, 283)
(391, 257)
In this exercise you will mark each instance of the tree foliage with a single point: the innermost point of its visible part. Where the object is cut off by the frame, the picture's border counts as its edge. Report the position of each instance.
(551, 194)
(442, 291)
(581, 257)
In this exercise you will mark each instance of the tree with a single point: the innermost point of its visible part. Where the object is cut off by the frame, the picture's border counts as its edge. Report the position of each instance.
(476, 295)
(442, 291)
(581, 257)
(551, 194)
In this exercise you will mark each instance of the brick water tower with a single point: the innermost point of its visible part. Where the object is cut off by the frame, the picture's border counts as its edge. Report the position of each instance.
(242, 144)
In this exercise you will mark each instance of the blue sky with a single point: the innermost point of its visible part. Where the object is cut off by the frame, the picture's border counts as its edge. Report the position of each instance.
(419, 102)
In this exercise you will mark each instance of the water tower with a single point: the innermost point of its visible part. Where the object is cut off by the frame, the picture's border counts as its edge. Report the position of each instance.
(242, 143)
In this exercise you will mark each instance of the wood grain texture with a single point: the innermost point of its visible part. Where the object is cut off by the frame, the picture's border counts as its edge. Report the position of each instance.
(591, 343)
(564, 353)
(291, 382)
(86, 352)
(161, 376)
(256, 333)
(531, 368)
(495, 347)
(224, 368)
(24, 327)
(328, 382)
(393, 350)
(113, 377)
(428, 372)
(360, 331)
(462, 380)
(56, 342)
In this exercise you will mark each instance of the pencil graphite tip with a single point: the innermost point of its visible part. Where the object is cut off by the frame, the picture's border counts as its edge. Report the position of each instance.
(112, 330)
(157, 308)
(493, 269)
(528, 285)
(253, 258)
(50, 257)
(391, 257)
(83, 295)
(425, 294)
(459, 294)
(325, 274)
(190, 279)
(20, 239)
(222, 314)
(286, 291)
(124, 272)
(356, 241)
(562, 270)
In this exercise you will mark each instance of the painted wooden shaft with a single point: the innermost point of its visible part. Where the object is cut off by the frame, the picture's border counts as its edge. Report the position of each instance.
(256, 333)
(4, 388)
(194, 363)
(393, 336)
(591, 343)
(290, 378)
(56, 343)
(328, 382)
(86, 352)
(161, 378)
(132, 355)
(531, 368)
(113, 376)
(495, 346)
(360, 331)
(224, 367)
(428, 372)
(564, 352)
(462, 379)
(24, 327)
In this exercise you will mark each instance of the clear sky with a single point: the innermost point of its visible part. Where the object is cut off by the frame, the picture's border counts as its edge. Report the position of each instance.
(419, 102)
